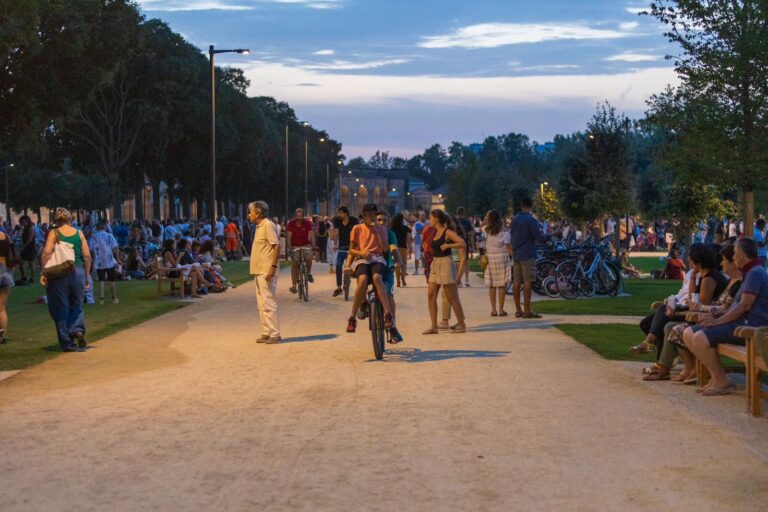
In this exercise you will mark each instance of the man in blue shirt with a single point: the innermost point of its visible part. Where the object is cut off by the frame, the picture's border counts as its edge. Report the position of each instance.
(524, 232)
(750, 307)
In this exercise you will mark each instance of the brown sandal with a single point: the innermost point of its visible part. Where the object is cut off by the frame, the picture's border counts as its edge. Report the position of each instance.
(656, 377)
(429, 331)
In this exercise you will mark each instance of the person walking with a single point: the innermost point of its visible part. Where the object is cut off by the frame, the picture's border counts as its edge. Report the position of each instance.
(265, 253)
(418, 229)
(443, 272)
(467, 231)
(66, 293)
(28, 249)
(106, 257)
(404, 246)
(342, 229)
(524, 232)
(6, 283)
(498, 251)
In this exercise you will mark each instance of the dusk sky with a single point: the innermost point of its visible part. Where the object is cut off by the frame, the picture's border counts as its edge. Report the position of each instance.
(402, 75)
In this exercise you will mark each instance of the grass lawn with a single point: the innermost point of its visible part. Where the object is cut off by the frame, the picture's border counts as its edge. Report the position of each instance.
(647, 263)
(32, 338)
(612, 341)
(641, 294)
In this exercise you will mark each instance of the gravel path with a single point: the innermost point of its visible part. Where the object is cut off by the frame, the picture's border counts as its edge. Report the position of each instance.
(187, 412)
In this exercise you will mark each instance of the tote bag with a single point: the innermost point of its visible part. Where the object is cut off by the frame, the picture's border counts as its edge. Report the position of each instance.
(62, 261)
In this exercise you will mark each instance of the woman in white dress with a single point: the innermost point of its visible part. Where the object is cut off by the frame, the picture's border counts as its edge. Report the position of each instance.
(498, 249)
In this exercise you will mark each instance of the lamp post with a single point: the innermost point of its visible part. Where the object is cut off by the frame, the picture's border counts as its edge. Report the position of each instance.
(543, 184)
(8, 166)
(211, 53)
(341, 168)
(286, 174)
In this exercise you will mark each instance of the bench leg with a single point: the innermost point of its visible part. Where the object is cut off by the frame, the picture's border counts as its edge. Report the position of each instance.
(181, 286)
(754, 392)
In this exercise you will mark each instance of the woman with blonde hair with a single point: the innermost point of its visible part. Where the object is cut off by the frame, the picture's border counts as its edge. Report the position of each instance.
(66, 293)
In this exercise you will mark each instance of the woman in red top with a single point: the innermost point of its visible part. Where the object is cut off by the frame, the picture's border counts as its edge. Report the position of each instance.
(675, 268)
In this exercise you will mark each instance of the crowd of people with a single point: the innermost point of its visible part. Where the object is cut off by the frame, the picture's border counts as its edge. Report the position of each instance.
(107, 253)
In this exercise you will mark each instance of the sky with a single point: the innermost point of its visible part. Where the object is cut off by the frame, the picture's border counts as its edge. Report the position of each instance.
(401, 75)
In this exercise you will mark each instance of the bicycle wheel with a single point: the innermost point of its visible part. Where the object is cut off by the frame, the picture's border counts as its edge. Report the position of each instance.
(609, 278)
(544, 269)
(376, 322)
(550, 287)
(304, 286)
(347, 284)
(567, 280)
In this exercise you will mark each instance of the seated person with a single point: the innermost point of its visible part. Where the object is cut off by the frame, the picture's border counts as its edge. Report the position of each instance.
(627, 267)
(367, 244)
(675, 268)
(134, 264)
(673, 333)
(750, 307)
(706, 285)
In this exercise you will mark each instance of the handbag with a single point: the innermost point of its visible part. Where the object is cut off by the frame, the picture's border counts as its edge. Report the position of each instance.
(484, 262)
(62, 261)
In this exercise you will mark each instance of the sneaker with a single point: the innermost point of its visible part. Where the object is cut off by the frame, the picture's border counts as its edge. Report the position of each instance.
(273, 340)
(337, 292)
(263, 339)
(80, 338)
(352, 324)
(362, 313)
(293, 289)
(115, 300)
(395, 336)
(70, 348)
(101, 300)
(310, 278)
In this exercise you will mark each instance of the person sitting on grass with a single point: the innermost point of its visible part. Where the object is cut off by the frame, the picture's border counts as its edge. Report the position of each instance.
(750, 307)
(673, 346)
(627, 267)
(135, 267)
(675, 268)
(707, 284)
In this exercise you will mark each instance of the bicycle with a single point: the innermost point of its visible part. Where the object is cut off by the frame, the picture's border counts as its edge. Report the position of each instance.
(373, 309)
(302, 283)
(573, 279)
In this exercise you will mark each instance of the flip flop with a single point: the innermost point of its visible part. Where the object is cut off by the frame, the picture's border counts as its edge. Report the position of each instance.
(727, 390)
(518, 314)
(494, 314)
(653, 377)
(459, 331)
(430, 331)
(531, 315)
(503, 313)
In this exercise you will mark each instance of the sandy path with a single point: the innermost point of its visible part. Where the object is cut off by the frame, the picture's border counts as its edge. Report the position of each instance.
(187, 412)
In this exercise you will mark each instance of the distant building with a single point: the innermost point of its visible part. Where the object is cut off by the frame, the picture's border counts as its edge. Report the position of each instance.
(392, 190)
(545, 148)
(475, 148)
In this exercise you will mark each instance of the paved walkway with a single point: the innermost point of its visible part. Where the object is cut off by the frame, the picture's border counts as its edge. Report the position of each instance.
(187, 412)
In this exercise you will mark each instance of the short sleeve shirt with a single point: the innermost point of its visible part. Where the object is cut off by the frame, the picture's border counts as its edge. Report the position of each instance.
(102, 245)
(299, 232)
(392, 241)
(497, 244)
(344, 231)
(417, 229)
(369, 239)
(262, 251)
(756, 283)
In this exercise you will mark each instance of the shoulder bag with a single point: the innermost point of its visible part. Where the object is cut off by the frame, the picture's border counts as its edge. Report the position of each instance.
(62, 261)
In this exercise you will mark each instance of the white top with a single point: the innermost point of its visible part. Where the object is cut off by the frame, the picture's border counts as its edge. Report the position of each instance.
(497, 244)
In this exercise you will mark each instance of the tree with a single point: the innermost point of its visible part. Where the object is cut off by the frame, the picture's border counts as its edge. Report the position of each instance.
(720, 109)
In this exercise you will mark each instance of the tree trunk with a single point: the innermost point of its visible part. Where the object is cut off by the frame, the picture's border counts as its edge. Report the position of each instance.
(749, 212)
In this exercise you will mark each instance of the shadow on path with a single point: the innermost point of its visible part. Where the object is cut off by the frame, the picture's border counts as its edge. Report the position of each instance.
(416, 355)
(511, 326)
(314, 337)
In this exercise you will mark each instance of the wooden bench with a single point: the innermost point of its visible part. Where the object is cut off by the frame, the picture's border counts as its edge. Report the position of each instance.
(752, 359)
(163, 276)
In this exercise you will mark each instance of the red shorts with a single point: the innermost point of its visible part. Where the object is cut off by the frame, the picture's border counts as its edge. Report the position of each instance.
(231, 244)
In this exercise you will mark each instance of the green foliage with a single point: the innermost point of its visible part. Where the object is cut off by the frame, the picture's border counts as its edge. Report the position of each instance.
(547, 206)
(94, 82)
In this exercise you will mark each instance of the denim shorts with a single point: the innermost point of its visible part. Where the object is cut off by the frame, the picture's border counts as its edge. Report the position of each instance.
(6, 278)
(718, 334)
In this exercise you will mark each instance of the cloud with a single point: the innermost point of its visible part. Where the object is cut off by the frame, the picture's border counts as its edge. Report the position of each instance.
(545, 67)
(324, 52)
(629, 25)
(493, 35)
(632, 57)
(279, 80)
(636, 10)
(229, 5)
(343, 65)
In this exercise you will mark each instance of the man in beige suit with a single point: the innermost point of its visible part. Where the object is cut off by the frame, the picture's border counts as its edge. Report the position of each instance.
(264, 257)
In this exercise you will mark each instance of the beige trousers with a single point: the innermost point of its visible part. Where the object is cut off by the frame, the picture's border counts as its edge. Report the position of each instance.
(266, 293)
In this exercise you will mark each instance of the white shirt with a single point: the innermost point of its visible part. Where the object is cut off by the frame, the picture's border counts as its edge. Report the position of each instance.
(219, 228)
(102, 245)
(497, 244)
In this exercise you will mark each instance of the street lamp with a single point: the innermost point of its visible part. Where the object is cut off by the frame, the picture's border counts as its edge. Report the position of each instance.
(8, 166)
(211, 53)
(544, 184)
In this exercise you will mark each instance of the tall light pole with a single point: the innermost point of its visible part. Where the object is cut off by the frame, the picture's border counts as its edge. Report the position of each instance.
(327, 181)
(286, 174)
(211, 53)
(341, 169)
(8, 166)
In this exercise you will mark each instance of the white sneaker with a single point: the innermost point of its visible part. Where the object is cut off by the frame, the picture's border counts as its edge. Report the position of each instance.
(115, 300)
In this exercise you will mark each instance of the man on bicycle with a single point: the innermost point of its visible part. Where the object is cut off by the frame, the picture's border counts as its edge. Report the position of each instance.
(368, 242)
(342, 229)
(300, 236)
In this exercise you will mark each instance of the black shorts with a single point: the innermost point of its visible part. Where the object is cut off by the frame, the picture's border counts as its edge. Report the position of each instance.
(106, 274)
(369, 269)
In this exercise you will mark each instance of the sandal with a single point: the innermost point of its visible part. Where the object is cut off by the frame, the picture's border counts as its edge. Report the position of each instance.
(443, 326)
(727, 390)
(429, 331)
(642, 348)
(651, 370)
(531, 315)
(657, 376)
(459, 330)
(518, 314)
(503, 313)
(493, 313)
